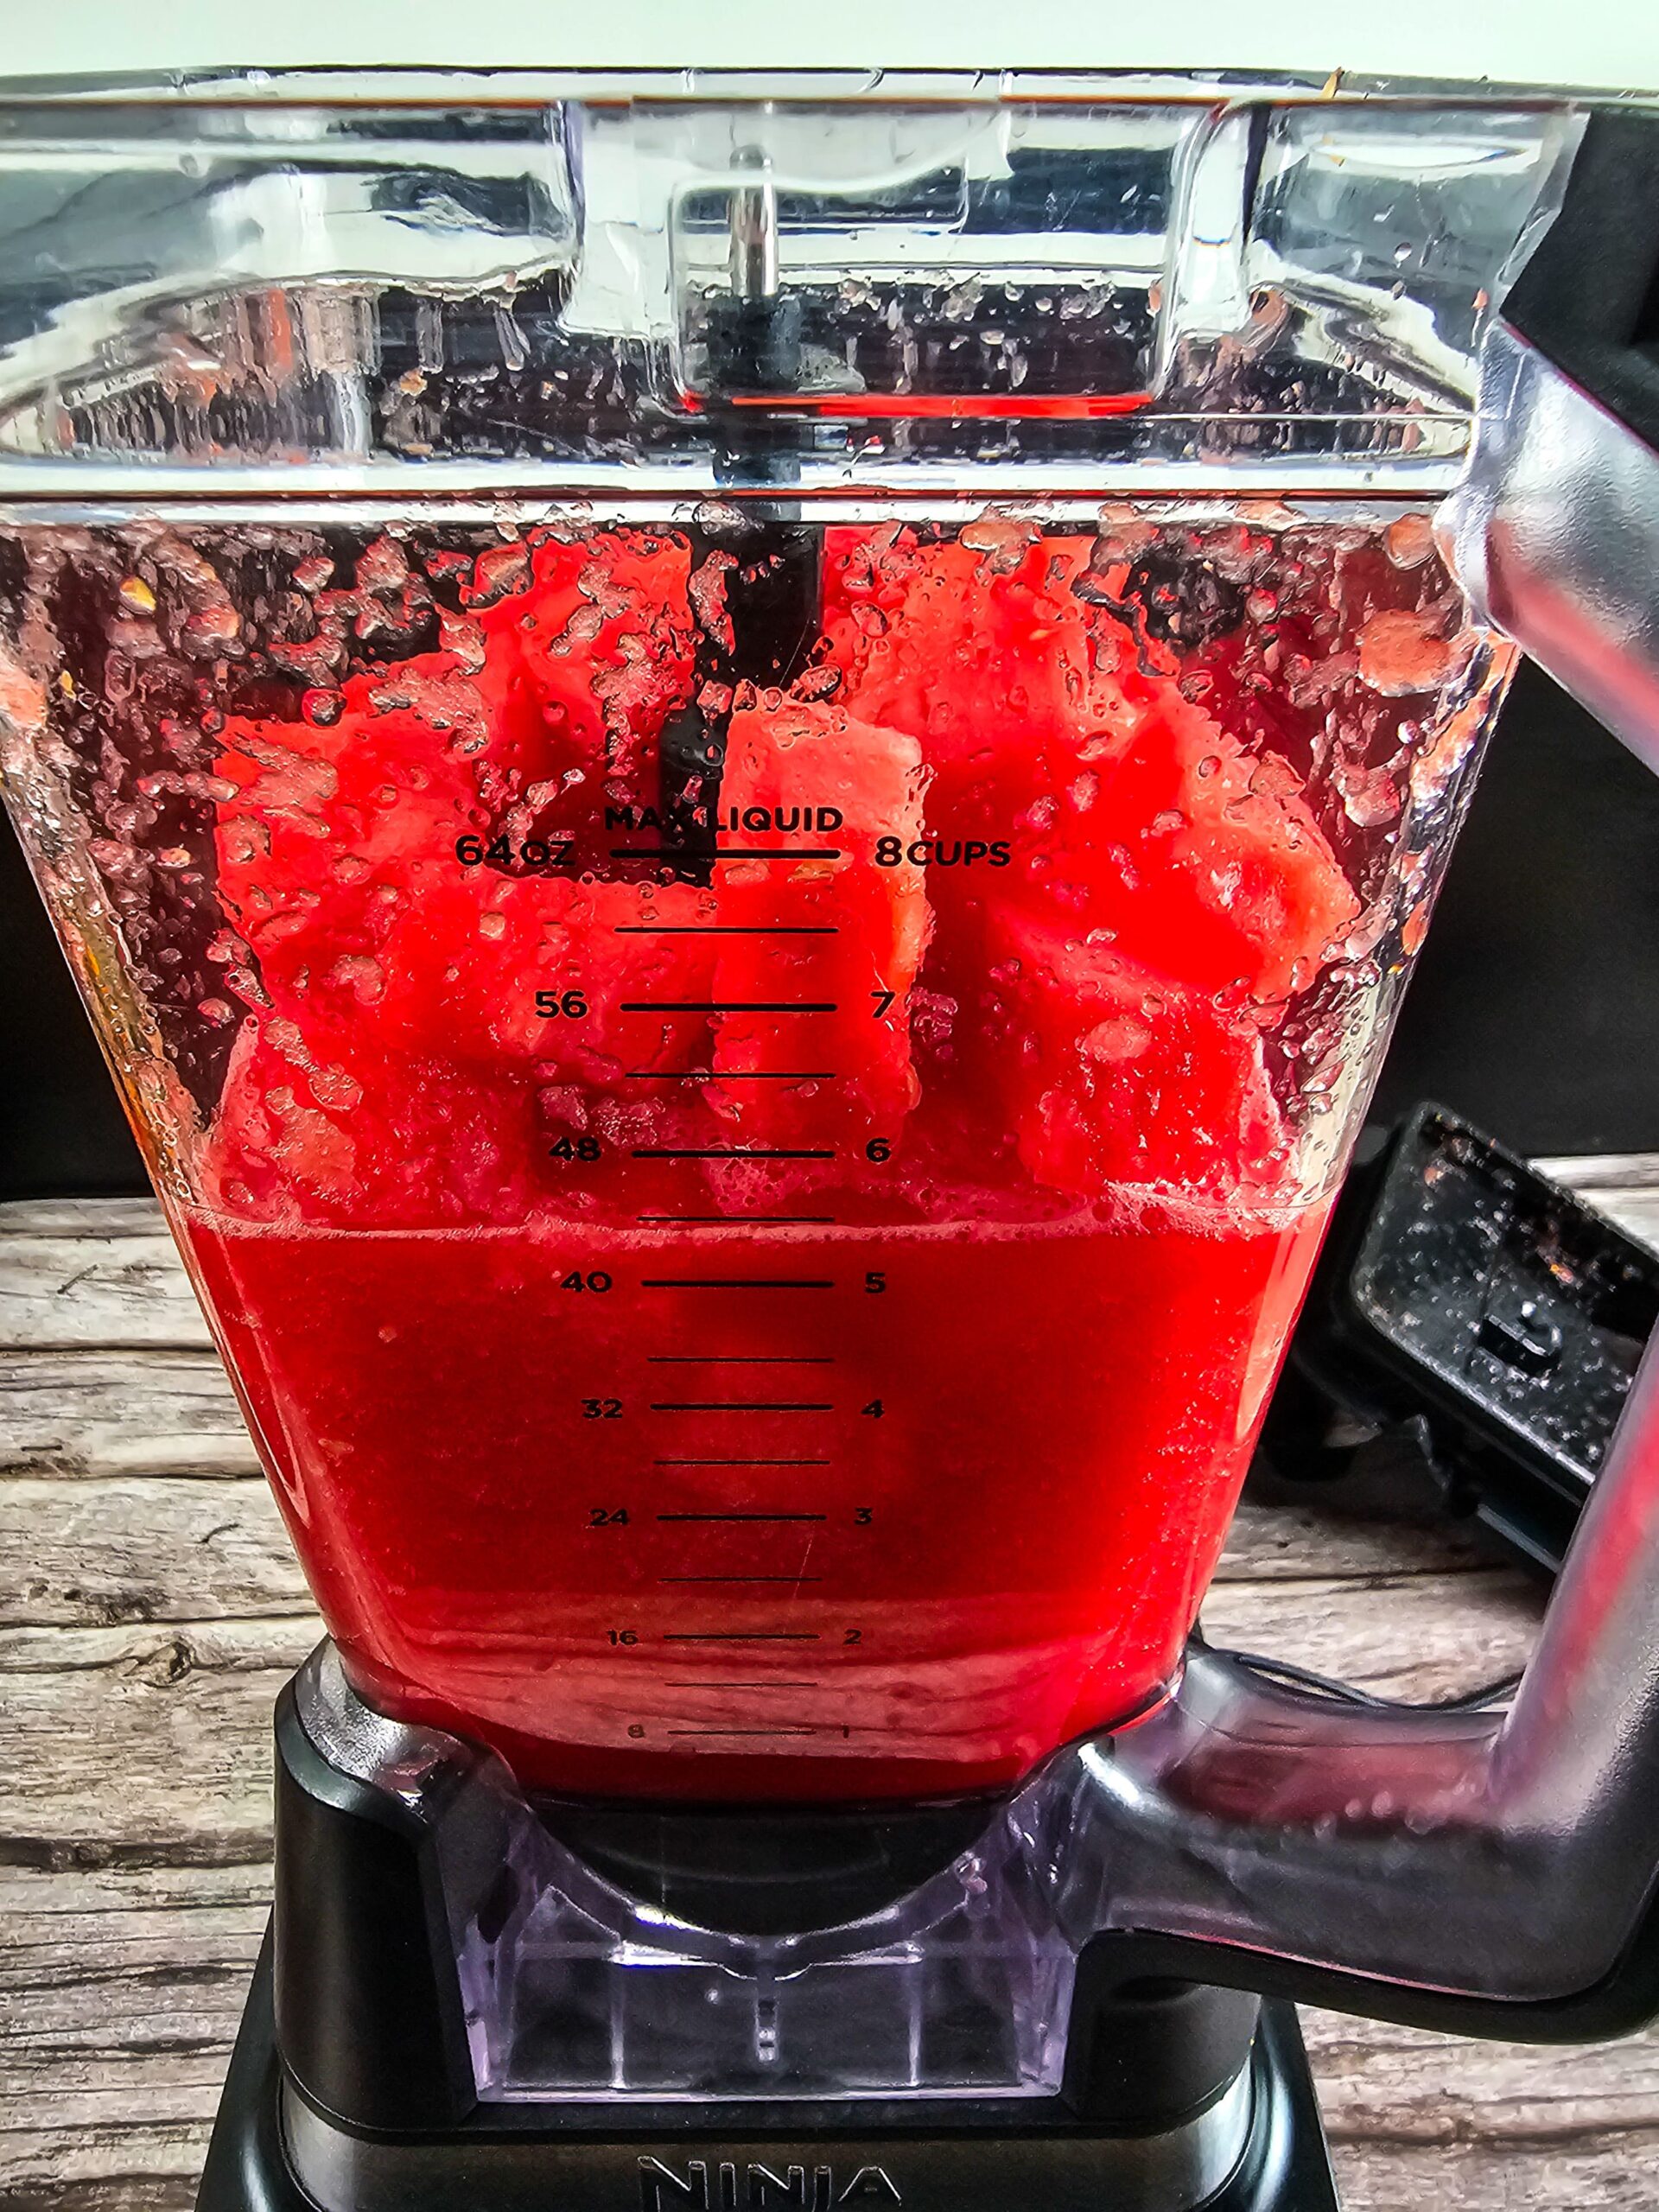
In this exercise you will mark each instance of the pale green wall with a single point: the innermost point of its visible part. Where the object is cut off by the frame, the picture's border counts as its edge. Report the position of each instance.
(1607, 42)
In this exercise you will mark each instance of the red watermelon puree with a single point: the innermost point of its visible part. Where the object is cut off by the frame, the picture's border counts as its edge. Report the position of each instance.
(796, 1335)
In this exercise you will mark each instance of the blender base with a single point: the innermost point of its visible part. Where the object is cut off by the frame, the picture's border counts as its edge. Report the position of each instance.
(264, 2130)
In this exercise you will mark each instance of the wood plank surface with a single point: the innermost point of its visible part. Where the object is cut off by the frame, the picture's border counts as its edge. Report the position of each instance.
(150, 1609)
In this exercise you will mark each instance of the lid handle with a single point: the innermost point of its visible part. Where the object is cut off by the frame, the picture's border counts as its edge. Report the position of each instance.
(1555, 532)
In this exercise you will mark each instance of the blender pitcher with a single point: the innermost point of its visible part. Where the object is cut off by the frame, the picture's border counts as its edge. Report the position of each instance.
(749, 1053)
(743, 775)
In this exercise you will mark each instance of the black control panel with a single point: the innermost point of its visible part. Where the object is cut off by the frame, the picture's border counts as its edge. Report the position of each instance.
(1482, 1311)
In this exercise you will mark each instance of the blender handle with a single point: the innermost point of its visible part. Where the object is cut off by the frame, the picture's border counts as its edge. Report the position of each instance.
(1492, 1874)
(1489, 1874)
(1553, 532)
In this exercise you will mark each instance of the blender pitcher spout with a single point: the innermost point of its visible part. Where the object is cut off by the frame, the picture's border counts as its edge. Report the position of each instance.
(1491, 1874)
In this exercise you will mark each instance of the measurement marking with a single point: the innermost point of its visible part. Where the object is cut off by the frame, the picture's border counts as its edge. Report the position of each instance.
(742, 1517)
(724, 1152)
(739, 1463)
(727, 929)
(741, 1406)
(739, 1359)
(735, 1075)
(730, 1005)
(747, 1686)
(791, 1579)
(742, 1636)
(750, 1220)
(783, 1730)
(729, 853)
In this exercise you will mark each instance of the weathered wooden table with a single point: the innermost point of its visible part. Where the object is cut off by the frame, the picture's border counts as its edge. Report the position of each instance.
(150, 1610)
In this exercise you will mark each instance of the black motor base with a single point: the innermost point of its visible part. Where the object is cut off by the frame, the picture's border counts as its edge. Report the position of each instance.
(702, 2162)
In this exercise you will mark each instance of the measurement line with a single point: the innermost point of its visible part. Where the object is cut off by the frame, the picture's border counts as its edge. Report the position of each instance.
(741, 1406)
(784, 1731)
(724, 1152)
(742, 1636)
(736, 1282)
(730, 1005)
(733, 1075)
(739, 1463)
(739, 1359)
(747, 1685)
(727, 929)
(728, 853)
(749, 1220)
(741, 1516)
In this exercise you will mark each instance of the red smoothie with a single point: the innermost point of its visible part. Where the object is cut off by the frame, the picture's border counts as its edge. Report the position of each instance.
(755, 1223)
(813, 1541)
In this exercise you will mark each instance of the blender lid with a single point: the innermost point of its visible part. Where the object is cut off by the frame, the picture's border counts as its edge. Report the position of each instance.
(327, 280)
(1604, 45)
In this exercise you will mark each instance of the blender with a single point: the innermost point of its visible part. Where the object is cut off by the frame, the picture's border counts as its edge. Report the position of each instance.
(742, 771)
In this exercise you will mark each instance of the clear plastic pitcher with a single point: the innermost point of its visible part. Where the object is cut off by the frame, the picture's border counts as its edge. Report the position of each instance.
(742, 777)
